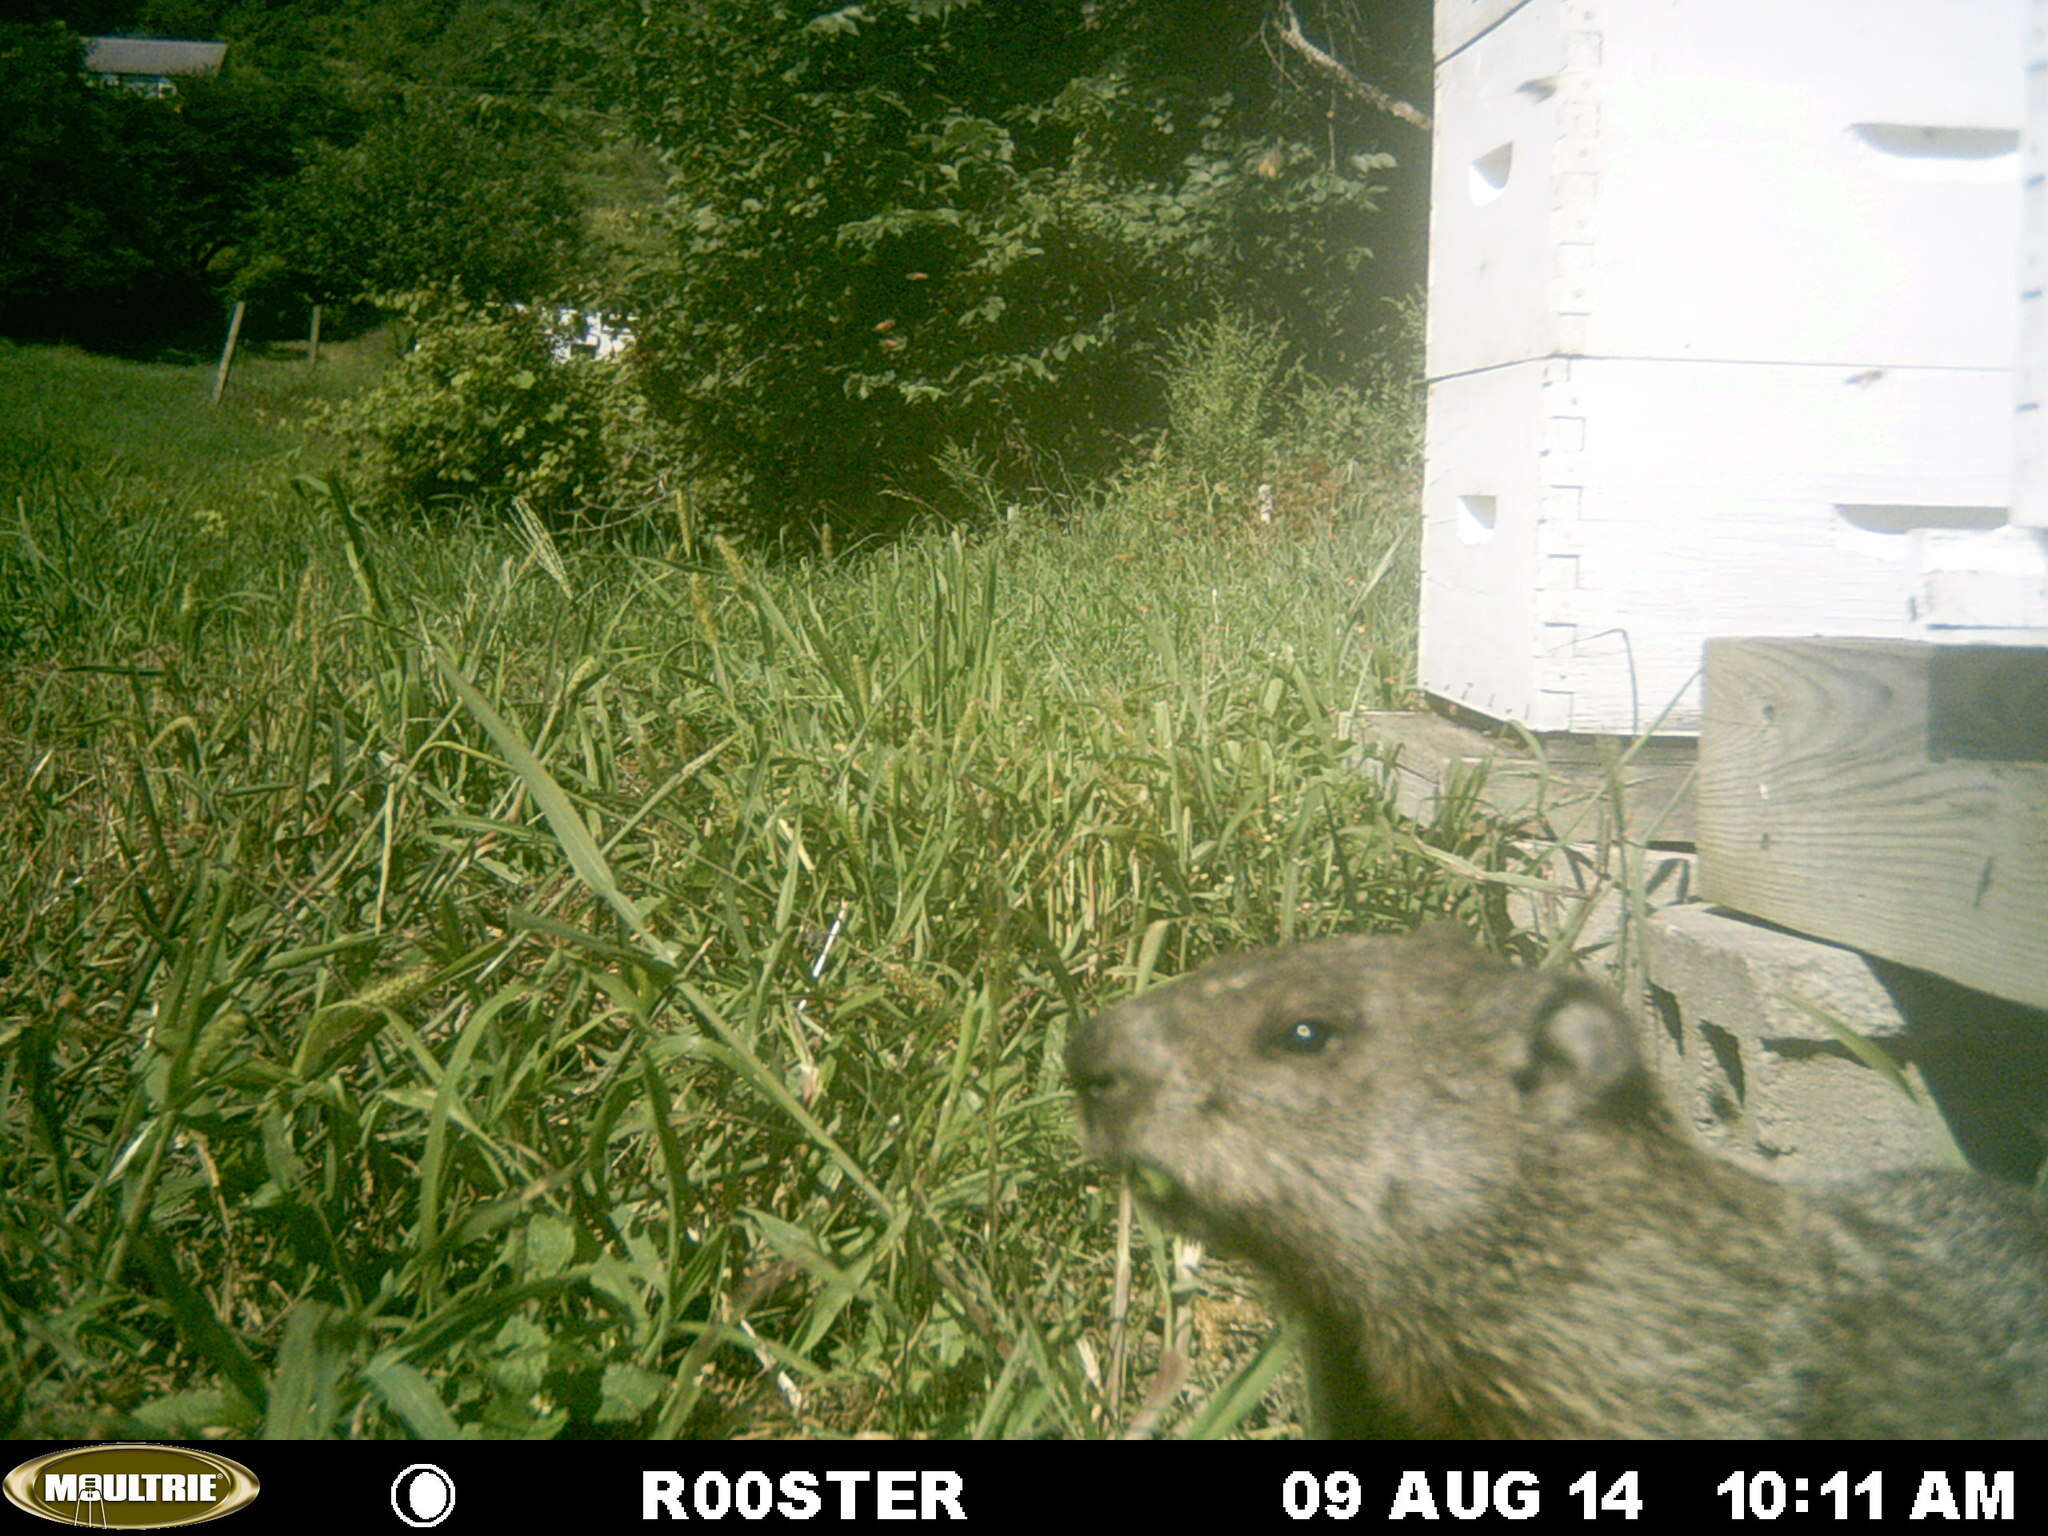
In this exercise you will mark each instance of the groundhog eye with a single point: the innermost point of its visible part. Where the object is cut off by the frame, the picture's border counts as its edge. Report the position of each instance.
(1299, 1037)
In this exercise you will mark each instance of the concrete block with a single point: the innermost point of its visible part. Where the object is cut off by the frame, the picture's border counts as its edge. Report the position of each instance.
(1759, 1074)
(1573, 790)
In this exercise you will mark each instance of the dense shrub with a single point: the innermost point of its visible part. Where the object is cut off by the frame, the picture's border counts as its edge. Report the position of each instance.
(480, 408)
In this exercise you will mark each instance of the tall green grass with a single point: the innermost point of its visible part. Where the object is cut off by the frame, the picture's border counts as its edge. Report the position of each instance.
(463, 983)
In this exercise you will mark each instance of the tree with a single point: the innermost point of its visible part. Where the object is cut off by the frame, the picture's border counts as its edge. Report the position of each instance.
(68, 203)
(436, 195)
(210, 157)
(118, 212)
(911, 222)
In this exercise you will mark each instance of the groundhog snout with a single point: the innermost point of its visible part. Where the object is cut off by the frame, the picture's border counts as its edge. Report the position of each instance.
(1115, 1065)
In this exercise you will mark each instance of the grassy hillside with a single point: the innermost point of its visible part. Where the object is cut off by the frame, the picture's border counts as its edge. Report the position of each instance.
(453, 982)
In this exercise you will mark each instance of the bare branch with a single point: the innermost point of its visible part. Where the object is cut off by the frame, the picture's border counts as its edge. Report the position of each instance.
(1292, 35)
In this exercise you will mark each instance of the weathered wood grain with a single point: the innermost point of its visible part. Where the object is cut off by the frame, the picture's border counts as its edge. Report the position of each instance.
(1885, 795)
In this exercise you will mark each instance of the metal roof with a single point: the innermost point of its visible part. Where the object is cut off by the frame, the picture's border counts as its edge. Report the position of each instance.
(152, 56)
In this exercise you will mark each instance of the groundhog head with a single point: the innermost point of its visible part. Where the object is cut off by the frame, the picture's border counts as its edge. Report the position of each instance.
(1303, 1105)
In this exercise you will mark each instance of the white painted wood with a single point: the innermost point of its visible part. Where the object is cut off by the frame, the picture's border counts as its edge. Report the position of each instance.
(1458, 22)
(2030, 467)
(1721, 342)
(1828, 181)
(1588, 523)
(1981, 589)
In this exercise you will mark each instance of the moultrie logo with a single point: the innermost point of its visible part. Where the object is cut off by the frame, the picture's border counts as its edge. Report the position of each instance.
(128, 1487)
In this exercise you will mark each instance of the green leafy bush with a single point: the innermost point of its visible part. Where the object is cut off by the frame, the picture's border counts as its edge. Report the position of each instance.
(1224, 395)
(481, 409)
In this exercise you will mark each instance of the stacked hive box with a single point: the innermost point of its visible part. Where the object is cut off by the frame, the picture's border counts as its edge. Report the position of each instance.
(1722, 321)
(2030, 453)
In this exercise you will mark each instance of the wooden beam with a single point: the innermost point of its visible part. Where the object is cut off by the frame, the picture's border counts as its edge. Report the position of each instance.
(1887, 795)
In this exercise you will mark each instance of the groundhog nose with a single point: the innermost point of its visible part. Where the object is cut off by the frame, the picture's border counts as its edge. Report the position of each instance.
(1114, 1076)
(1088, 1065)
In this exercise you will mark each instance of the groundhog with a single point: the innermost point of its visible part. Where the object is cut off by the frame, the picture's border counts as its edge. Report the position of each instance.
(1459, 1177)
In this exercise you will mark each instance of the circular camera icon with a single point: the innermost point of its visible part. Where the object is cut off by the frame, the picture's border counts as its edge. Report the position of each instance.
(422, 1495)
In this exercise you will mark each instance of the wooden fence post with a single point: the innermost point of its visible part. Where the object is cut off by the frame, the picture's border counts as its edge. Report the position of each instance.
(227, 353)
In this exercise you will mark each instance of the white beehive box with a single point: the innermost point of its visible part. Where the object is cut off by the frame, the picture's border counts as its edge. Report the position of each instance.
(1632, 508)
(1459, 21)
(2030, 465)
(1729, 180)
(1721, 335)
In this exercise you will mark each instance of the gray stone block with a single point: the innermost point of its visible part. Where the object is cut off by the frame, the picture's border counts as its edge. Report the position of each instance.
(1741, 1038)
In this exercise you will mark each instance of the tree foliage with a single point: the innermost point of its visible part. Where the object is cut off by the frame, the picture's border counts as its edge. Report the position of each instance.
(912, 222)
(61, 231)
(116, 208)
(892, 228)
(437, 194)
(343, 149)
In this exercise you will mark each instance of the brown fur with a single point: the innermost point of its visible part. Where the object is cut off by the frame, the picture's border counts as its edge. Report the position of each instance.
(1460, 1178)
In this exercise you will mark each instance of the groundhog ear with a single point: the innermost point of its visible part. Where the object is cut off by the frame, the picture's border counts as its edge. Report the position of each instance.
(1580, 1050)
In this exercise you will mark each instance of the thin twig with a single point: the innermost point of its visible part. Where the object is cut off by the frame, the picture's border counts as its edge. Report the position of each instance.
(1292, 35)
